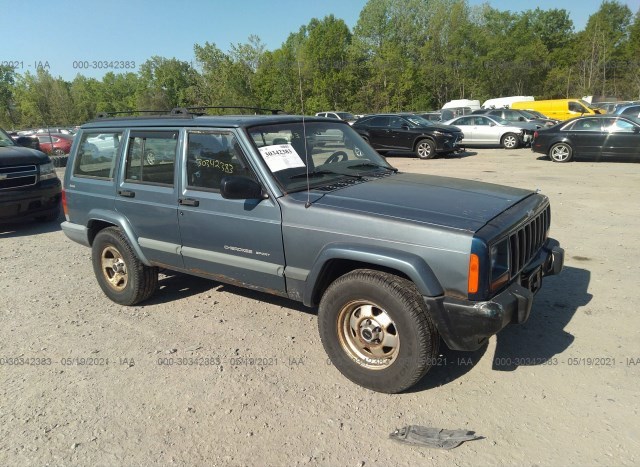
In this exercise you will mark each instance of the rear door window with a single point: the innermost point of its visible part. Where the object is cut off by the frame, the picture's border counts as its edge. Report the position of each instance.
(96, 155)
(151, 157)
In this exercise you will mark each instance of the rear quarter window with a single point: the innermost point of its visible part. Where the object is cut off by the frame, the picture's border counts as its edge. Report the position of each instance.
(97, 154)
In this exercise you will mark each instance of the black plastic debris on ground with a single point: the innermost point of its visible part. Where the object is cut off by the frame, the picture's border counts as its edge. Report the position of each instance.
(432, 437)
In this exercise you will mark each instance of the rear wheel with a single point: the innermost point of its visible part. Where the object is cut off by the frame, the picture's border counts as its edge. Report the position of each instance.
(375, 328)
(121, 275)
(425, 149)
(510, 141)
(561, 152)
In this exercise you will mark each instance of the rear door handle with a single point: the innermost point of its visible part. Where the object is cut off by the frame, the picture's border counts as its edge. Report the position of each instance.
(127, 193)
(188, 202)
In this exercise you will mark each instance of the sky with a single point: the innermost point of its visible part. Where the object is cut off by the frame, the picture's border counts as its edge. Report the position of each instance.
(68, 37)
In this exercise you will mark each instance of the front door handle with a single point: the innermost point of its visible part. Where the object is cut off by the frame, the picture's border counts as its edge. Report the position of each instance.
(127, 193)
(188, 202)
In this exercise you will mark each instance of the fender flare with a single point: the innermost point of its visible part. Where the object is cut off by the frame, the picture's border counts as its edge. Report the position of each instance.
(121, 222)
(413, 266)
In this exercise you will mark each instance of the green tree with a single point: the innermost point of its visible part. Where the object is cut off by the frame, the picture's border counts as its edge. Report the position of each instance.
(165, 83)
(8, 117)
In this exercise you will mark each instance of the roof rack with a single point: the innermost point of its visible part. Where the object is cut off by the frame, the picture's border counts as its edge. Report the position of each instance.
(188, 110)
(184, 112)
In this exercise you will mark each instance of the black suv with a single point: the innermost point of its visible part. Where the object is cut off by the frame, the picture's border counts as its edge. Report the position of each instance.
(410, 133)
(29, 186)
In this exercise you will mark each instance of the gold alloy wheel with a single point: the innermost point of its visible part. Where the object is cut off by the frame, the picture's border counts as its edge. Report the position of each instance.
(368, 335)
(114, 268)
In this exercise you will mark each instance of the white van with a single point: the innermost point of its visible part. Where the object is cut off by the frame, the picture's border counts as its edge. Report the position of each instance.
(505, 102)
(473, 105)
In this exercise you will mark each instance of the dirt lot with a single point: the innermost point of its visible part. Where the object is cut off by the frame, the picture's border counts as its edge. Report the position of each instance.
(561, 389)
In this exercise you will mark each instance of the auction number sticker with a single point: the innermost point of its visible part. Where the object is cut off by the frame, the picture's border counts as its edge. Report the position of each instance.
(280, 157)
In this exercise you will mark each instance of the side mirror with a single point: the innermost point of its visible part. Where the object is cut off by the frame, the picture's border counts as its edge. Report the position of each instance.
(636, 129)
(28, 142)
(404, 126)
(492, 124)
(241, 188)
(522, 119)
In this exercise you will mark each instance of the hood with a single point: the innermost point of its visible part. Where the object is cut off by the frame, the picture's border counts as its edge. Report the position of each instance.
(17, 155)
(442, 201)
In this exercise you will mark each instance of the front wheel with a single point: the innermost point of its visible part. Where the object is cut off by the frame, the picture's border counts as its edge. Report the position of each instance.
(425, 149)
(510, 141)
(376, 330)
(561, 152)
(121, 275)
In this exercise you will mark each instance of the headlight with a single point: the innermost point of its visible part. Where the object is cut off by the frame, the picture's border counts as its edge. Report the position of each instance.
(499, 264)
(442, 133)
(47, 171)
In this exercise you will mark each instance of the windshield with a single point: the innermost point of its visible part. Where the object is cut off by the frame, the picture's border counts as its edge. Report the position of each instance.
(501, 121)
(528, 114)
(327, 152)
(591, 106)
(5, 140)
(346, 116)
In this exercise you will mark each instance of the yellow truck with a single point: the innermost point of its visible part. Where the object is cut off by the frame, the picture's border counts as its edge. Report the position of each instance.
(560, 109)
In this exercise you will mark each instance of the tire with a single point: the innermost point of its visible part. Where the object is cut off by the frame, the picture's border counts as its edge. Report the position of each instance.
(510, 141)
(132, 282)
(150, 157)
(561, 152)
(425, 149)
(382, 306)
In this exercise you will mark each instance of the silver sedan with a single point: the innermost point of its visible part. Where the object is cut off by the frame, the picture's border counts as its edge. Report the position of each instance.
(484, 130)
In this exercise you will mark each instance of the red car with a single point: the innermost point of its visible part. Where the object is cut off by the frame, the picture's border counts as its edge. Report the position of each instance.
(55, 143)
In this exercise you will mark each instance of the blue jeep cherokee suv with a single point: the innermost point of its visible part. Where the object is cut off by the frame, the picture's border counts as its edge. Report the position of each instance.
(394, 261)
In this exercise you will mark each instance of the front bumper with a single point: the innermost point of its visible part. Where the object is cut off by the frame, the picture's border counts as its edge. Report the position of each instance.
(448, 144)
(34, 201)
(466, 325)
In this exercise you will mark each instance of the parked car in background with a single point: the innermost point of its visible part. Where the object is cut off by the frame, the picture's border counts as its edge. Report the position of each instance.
(517, 116)
(606, 107)
(408, 133)
(559, 109)
(595, 137)
(431, 115)
(29, 186)
(346, 116)
(485, 130)
(631, 110)
(63, 131)
(56, 144)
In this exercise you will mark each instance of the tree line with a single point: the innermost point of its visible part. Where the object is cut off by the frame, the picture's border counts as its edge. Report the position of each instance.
(402, 55)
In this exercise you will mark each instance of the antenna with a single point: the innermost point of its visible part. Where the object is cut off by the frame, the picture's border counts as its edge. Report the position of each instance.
(304, 135)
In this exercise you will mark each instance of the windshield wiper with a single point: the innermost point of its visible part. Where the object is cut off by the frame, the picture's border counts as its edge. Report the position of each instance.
(369, 164)
(317, 173)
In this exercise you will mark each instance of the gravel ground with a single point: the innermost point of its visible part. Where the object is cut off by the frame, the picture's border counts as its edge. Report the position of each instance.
(173, 381)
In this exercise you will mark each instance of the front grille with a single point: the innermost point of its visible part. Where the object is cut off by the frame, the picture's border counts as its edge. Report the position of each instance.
(18, 176)
(526, 241)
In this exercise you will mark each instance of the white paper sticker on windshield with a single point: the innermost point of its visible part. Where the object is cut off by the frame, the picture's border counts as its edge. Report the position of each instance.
(280, 157)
